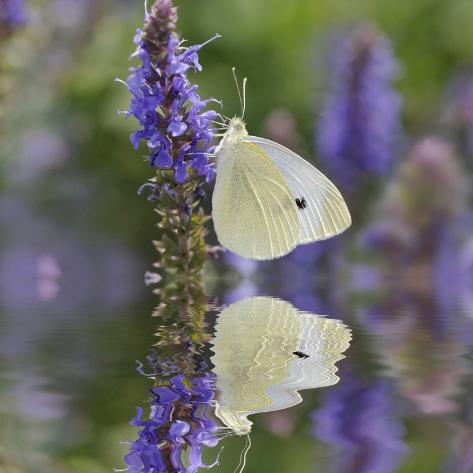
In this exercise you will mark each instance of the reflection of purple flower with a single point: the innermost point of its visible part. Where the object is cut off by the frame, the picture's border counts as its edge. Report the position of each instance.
(360, 123)
(355, 418)
(178, 424)
(166, 105)
(12, 13)
(365, 277)
(465, 262)
(246, 268)
(303, 276)
(447, 274)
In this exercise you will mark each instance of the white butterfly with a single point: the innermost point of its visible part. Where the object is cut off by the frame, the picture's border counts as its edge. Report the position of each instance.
(265, 351)
(268, 200)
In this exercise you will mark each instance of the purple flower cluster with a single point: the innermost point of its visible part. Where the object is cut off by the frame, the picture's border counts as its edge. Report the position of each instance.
(171, 114)
(360, 122)
(178, 426)
(355, 418)
(12, 13)
(422, 226)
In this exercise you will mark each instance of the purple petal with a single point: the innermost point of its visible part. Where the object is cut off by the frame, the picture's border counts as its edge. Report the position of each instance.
(158, 139)
(135, 81)
(165, 394)
(135, 139)
(177, 430)
(210, 175)
(199, 163)
(161, 160)
(181, 172)
(177, 127)
(137, 419)
(138, 35)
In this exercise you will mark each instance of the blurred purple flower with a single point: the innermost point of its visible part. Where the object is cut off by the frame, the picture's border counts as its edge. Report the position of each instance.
(459, 108)
(12, 13)
(169, 110)
(40, 151)
(465, 263)
(365, 277)
(360, 122)
(178, 424)
(48, 273)
(355, 417)
(416, 240)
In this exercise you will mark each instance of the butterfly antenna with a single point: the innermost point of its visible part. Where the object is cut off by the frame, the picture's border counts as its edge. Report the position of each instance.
(243, 455)
(247, 449)
(239, 462)
(238, 90)
(244, 97)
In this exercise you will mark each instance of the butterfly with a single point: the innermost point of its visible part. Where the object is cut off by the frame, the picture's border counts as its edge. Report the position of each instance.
(267, 199)
(265, 351)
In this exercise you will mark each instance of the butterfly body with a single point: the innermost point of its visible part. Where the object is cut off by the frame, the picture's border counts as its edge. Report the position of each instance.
(257, 199)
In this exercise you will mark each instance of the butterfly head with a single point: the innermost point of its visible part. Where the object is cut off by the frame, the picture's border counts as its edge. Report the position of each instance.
(236, 128)
(235, 132)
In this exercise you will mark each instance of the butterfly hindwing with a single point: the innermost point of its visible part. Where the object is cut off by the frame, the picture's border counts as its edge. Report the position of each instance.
(254, 212)
(323, 212)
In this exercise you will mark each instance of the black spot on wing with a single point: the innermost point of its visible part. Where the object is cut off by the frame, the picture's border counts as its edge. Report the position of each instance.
(300, 354)
(301, 203)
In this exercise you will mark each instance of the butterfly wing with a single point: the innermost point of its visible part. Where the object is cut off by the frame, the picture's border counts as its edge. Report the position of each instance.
(253, 209)
(325, 213)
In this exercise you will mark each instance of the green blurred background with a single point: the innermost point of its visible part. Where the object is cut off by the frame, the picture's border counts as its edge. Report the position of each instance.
(68, 188)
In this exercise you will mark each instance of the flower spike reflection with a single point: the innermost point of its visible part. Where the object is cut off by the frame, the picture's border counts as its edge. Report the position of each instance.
(178, 426)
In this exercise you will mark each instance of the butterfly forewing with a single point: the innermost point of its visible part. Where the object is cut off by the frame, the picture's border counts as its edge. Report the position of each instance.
(254, 212)
(323, 212)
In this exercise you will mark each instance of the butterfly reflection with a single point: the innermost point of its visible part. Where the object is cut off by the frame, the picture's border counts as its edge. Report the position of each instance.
(265, 351)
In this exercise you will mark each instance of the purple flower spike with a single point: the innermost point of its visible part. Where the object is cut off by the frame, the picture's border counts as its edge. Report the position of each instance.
(176, 128)
(360, 122)
(164, 102)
